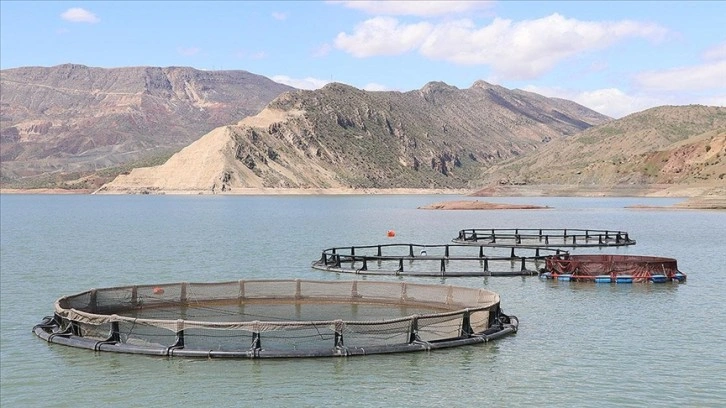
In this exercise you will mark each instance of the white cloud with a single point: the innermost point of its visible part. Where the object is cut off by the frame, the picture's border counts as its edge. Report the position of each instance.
(383, 36)
(279, 16)
(707, 76)
(376, 87)
(258, 55)
(304, 83)
(188, 51)
(79, 15)
(612, 102)
(317, 83)
(416, 8)
(520, 50)
(716, 53)
(322, 51)
(718, 100)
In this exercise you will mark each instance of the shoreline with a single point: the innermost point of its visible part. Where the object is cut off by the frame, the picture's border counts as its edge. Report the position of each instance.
(706, 197)
(685, 191)
(44, 191)
(246, 191)
(480, 205)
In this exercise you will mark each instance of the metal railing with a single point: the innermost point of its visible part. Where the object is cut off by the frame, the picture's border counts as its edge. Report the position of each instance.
(543, 237)
(446, 260)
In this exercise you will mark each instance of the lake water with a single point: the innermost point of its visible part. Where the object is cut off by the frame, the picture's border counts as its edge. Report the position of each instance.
(578, 344)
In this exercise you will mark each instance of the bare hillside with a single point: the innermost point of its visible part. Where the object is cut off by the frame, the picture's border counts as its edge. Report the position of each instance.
(672, 147)
(343, 137)
(60, 123)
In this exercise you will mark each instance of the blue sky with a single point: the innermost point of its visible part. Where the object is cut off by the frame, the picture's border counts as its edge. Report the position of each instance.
(616, 57)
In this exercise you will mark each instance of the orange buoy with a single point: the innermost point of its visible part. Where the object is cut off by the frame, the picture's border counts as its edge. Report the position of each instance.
(158, 291)
(391, 233)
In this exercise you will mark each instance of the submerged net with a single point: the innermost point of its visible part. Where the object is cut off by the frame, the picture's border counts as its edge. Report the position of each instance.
(276, 318)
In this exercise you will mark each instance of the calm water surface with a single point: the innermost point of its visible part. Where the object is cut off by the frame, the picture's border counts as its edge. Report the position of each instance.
(578, 344)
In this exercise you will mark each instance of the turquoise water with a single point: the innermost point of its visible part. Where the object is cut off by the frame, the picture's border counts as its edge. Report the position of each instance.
(578, 344)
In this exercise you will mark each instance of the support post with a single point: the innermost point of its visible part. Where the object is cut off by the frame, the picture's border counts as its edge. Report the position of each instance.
(413, 330)
(338, 338)
(115, 335)
(256, 341)
(179, 342)
(76, 329)
(466, 330)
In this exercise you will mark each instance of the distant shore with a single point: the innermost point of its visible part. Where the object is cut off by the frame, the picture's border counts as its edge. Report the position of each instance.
(695, 197)
(480, 205)
(249, 191)
(41, 191)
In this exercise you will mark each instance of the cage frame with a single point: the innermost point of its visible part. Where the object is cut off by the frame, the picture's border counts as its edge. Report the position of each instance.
(543, 237)
(404, 259)
(74, 313)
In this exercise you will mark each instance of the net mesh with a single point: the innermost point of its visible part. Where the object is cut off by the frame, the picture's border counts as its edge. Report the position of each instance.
(292, 315)
(590, 267)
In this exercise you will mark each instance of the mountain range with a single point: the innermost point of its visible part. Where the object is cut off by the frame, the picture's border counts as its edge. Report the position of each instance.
(167, 130)
(438, 137)
(65, 122)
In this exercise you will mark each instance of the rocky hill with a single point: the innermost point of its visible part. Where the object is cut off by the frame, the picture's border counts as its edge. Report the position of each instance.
(63, 122)
(670, 147)
(342, 137)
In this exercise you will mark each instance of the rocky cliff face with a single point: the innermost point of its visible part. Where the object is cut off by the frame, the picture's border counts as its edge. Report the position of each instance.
(69, 120)
(340, 136)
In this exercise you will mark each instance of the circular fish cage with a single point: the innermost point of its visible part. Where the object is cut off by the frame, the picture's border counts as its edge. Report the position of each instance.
(543, 237)
(276, 318)
(612, 269)
(447, 260)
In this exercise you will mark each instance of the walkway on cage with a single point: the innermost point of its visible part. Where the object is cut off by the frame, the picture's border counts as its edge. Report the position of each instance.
(444, 260)
(543, 237)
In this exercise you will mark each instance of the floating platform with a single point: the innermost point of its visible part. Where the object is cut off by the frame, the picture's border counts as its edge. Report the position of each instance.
(543, 237)
(276, 319)
(612, 269)
(446, 260)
